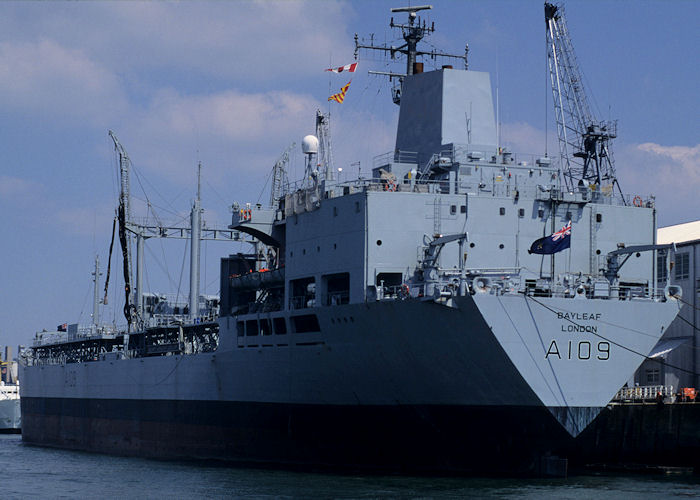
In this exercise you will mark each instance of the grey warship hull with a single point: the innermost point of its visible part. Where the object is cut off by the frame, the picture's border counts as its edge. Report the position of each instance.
(412, 385)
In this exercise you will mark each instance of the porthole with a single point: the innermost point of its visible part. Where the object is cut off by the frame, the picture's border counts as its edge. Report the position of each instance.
(501, 246)
(379, 243)
(472, 245)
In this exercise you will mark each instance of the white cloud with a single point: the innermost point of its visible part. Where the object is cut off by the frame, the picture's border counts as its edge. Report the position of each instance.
(47, 78)
(676, 161)
(236, 135)
(117, 65)
(524, 139)
(231, 40)
(232, 115)
(671, 173)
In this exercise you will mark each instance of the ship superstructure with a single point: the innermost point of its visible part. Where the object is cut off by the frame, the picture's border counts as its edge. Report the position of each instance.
(403, 320)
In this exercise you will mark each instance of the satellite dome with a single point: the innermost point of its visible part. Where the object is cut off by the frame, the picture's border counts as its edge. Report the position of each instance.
(309, 144)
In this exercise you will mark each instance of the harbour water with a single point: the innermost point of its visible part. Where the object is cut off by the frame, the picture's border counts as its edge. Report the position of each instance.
(34, 472)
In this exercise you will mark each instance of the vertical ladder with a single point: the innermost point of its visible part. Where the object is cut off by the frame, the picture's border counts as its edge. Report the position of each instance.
(437, 216)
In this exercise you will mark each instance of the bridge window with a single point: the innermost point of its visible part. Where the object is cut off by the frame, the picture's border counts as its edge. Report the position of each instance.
(306, 323)
(303, 291)
(661, 266)
(682, 266)
(265, 327)
(337, 287)
(251, 328)
(280, 326)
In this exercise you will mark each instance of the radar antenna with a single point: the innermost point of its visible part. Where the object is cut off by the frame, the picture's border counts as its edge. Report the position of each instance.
(584, 142)
(413, 32)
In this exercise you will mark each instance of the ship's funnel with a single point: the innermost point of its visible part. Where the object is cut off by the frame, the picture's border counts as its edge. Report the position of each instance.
(446, 107)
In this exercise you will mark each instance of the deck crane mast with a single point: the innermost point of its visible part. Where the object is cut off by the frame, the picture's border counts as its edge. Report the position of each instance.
(584, 142)
(124, 217)
(280, 181)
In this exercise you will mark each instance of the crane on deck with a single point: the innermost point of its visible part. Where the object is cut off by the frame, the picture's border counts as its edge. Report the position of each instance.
(584, 141)
(280, 181)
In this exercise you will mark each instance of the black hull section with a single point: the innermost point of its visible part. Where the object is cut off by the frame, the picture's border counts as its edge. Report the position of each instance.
(444, 439)
(425, 439)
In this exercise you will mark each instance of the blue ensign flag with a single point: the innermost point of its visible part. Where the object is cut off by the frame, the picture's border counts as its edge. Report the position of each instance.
(561, 240)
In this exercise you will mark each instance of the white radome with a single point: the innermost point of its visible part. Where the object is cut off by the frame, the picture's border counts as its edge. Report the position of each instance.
(309, 144)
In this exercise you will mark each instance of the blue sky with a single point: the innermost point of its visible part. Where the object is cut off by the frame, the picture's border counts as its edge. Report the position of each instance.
(232, 84)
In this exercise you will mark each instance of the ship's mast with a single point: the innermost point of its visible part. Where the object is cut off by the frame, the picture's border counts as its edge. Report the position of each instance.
(195, 242)
(413, 32)
(584, 142)
(96, 298)
(325, 153)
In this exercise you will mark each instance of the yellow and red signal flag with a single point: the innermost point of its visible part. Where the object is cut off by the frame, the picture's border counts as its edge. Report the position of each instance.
(348, 67)
(340, 96)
